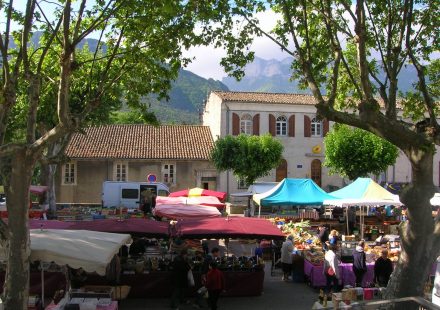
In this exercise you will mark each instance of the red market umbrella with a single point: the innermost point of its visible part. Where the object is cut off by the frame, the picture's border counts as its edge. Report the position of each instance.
(38, 189)
(197, 191)
(135, 226)
(231, 227)
(180, 211)
(209, 201)
(147, 228)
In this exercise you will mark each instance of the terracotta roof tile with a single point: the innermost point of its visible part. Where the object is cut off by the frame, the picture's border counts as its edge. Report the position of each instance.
(142, 142)
(277, 98)
(266, 97)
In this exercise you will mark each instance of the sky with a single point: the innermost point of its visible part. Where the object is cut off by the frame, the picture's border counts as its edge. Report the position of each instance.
(207, 59)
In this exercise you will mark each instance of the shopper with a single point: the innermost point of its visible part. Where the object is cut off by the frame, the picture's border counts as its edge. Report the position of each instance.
(323, 236)
(359, 263)
(333, 237)
(383, 267)
(286, 257)
(215, 283)
(180, 278)
(331, 269)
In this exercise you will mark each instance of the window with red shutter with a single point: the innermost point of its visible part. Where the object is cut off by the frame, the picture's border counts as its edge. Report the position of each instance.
(292, 126)
(235, 124)
(272, 125)
(256, 124)
(307, 122)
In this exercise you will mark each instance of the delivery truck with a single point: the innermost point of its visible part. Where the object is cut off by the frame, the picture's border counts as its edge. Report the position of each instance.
(128, 194)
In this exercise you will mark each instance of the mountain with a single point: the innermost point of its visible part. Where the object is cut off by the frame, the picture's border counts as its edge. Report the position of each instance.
(187, 96)
(274, 76)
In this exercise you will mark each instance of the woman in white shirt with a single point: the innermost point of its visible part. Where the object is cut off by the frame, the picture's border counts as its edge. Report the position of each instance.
(286, 257)
(331, 268)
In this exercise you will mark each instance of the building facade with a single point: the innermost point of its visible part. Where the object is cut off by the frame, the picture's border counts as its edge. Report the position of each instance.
(177, 155)
(292, 119)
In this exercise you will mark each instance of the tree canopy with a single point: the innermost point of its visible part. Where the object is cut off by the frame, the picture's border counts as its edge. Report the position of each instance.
(249, 157)
(354, 152)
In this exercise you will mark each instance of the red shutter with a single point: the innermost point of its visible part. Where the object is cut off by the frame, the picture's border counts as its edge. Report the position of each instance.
(292, 126)
(272, 125)
(325, 127)
(235, 124)
(307, 129)
(256, 125)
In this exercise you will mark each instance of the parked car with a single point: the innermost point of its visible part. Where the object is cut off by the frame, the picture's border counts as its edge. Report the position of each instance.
(128, 194)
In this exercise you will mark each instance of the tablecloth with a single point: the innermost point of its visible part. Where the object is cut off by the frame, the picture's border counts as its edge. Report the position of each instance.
(317, 278)
(159, 284)
(53, 281)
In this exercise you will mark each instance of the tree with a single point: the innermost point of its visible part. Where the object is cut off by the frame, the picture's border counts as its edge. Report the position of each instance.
(354, 152)
(349, 54)
(130, 54)
(249, 157)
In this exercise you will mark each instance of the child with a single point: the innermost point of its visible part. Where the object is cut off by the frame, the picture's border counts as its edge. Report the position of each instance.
(215, 283)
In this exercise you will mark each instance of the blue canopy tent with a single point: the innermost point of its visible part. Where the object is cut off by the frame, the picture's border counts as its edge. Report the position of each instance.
(293, 192)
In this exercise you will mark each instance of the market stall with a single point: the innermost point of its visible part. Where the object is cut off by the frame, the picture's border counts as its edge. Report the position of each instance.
(197, 191)
(133, 226)
(363, 192)
(293, 192)
(229, 227)
(89, 250)
(209, 201)
(184, 211)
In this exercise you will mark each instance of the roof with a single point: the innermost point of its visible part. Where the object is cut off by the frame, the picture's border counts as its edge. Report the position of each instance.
(281, 98)
(293, 192)
(142, 142)
(276, 98)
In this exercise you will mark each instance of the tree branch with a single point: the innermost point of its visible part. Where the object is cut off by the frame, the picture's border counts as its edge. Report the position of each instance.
(427, 98)
(79, 20)
(306, 66)
(9, 149)
(361, 40)
(269, 36)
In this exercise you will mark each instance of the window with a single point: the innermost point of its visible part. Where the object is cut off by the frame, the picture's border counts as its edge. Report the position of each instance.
(130, 193)
(169, 173)
(120, 171)
(281, 126)
(69, 174)
(316, 127)
(246, 124)
(241, 184)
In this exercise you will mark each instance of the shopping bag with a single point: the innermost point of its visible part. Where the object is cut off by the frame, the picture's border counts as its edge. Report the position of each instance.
(190, 278)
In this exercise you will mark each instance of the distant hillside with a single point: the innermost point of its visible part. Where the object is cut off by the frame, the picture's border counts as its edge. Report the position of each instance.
(187, 96)
(274, 76)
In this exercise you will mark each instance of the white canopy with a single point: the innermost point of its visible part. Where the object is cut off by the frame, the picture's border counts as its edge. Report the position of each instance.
(435, 200)
(90, 250)
(362, 202)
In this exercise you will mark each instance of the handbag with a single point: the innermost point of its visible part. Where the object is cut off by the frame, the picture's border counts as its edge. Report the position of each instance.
(190, 278)
(330, 271)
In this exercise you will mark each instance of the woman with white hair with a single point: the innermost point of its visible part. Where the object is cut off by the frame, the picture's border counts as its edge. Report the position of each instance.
(286, 257)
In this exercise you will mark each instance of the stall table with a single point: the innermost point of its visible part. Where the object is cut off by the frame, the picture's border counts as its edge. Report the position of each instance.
(112, 306)
(53, 281)
(159, 284)
(316, 276)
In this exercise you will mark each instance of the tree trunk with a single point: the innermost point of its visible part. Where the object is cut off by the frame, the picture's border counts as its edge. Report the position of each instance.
(419, 244)
(16, 288)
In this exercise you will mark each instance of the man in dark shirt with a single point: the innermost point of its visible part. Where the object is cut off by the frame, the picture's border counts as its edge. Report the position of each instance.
(383, 269)
(359, 263)
(323, 236)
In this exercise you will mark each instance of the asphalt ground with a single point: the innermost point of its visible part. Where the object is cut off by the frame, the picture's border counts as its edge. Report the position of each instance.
(277, 295)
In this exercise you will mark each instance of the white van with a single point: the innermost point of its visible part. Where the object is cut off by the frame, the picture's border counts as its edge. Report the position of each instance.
(127, 194)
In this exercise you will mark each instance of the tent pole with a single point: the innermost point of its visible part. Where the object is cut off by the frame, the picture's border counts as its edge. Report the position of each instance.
(346, 220)
(42, 283)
